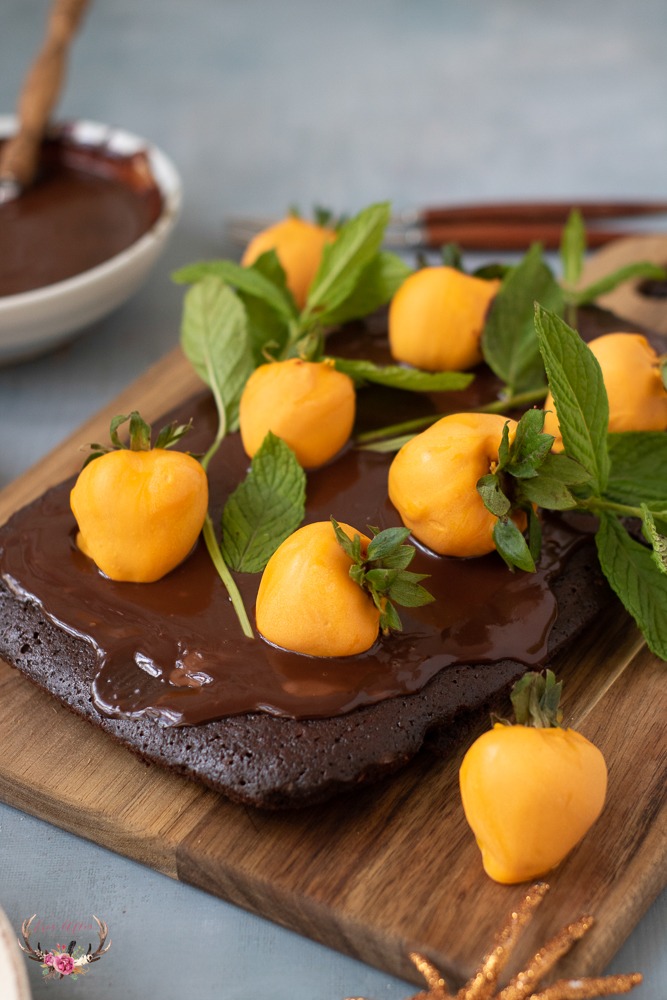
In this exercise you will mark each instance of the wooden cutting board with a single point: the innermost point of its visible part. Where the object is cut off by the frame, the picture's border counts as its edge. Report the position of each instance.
(376, 874)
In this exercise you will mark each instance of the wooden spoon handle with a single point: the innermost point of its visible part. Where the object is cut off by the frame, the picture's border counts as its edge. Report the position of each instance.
(40, 92)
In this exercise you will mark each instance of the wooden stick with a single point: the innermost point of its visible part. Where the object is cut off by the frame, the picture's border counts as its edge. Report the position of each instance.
(41, 89)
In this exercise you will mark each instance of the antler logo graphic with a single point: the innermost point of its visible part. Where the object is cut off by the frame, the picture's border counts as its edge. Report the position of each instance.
(64, 960)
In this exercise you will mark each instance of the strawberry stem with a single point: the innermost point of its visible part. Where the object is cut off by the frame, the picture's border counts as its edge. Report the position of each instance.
(535, 699)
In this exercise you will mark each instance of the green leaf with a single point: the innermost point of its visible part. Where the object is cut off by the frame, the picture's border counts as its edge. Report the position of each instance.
(491, 493)
(214, 338)
(632, 573)
(573, 247)
(358, 241)
(405, 590)
(536, 699)
(451, 256)
(657, 541)
(377, 283)
(579, 394)
(386, 542)
(382, 573)
(250, 280)
(640, 269)
(512, 546)
(397, 377)
(548, 493)
(268, 327)
(509, 344)
(638, 464)
(530, 446)
(171, 433)
(264, 509)
(564, 469)
(346, 543)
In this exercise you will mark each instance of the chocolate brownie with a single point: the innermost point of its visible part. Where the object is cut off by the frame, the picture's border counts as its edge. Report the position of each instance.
(164, 668)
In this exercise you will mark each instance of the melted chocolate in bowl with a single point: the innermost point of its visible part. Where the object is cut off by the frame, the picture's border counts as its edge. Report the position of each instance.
(87, 204)
(174, 649)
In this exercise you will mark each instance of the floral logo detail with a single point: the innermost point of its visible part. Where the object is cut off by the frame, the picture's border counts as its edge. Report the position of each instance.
(64, 960)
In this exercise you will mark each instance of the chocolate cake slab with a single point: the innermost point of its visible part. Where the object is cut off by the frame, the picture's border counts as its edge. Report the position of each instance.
(266, 727)
(278, 762)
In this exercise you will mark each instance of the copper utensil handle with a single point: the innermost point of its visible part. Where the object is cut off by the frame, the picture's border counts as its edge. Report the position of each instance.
(539, 211)
(40, 91)
(509, 235)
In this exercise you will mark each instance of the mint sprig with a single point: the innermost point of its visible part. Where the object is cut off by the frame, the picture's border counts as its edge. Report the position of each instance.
(509, 344)
(397, 377)
(625, 481)
(573, 252)
(214, 338)
(637, 463)
(632, 573)
(355, 278)
(263, 509)
(383, 573)
(527, 474)
(374, 287)
(577, 386)
(358, 242)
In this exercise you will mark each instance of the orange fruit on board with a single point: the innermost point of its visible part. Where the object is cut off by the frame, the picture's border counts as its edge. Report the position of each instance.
(633, 380)
(432, 483)
(139, 513)
(307, 601)
(436, 319)
(299, 246)
(529, 796)
(308, 404)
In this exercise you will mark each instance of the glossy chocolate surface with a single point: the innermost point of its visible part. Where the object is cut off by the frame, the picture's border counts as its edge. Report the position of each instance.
(86, 205)
(174, 649)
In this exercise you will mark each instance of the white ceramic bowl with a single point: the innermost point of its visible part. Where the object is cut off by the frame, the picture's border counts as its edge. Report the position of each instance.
(35, 322)
(13, 973)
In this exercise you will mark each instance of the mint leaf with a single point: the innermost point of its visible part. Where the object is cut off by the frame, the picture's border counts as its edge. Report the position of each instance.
(268, 327)
(640, 269)
(657, 541)
(398, 377)
(376, 284)
(564, 470)
(579, 394)
(509, 344)
(633, 575)
(214, 338)
(573, 247)
(529, 448)
(358, 241)
(250, 280)
(264, 509)
(638, 463)
(512, 546)
(546, 492)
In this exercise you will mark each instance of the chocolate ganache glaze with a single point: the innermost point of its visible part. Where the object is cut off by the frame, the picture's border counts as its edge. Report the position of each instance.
(87, 204)
(174, 650)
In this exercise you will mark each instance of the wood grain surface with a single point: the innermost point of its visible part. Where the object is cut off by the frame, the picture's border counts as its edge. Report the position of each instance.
(376, 874)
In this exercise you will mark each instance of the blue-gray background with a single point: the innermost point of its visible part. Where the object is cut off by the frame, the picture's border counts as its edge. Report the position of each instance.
(262, 104)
